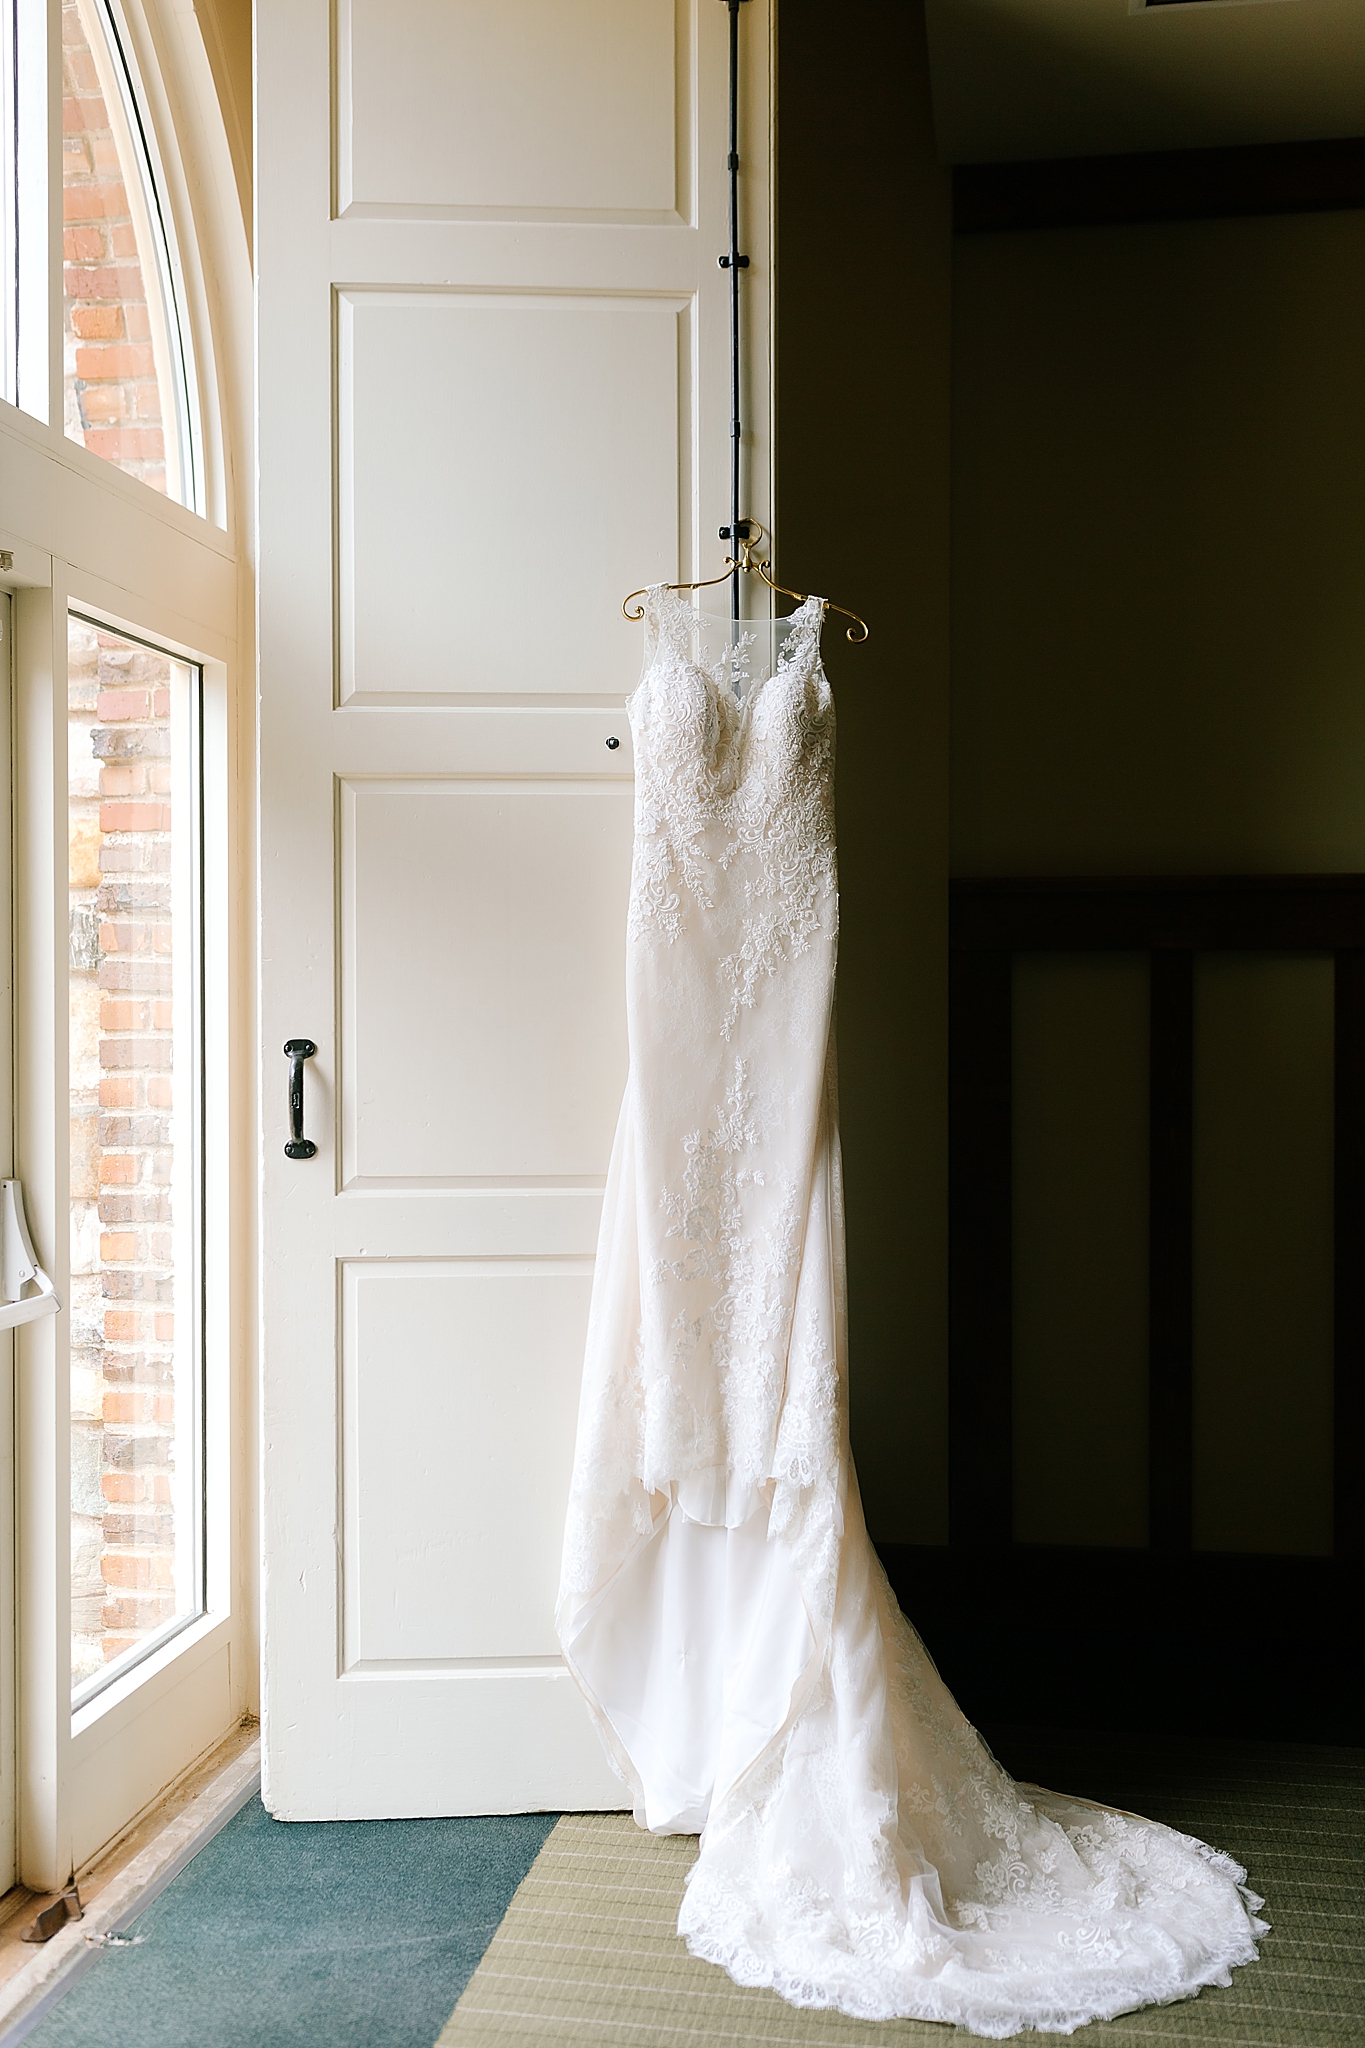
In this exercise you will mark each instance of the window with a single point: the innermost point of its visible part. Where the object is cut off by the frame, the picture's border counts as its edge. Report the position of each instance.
(9, 207)
(131, 1134)
(126, 376)
(137, 1565)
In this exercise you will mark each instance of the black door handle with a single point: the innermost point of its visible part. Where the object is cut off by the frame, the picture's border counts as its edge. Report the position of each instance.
(296, 1051)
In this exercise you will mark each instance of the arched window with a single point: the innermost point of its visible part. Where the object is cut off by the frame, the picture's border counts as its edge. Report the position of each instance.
(128, 383)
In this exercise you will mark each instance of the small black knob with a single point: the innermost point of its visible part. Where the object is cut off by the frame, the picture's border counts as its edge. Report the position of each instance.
(613, 743)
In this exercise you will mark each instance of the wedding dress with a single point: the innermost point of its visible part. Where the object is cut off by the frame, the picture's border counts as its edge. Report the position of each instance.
(722, 1607)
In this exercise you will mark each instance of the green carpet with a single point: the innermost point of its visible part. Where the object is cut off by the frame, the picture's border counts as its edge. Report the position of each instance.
(342, 1934)
(364, 1934)
(588, 1952)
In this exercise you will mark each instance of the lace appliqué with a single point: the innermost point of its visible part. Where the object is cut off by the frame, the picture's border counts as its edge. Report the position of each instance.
(716, 1398)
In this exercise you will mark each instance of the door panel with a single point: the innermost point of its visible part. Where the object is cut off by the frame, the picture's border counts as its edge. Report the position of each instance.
(464, 1373)
(525, 422)
(481, 933)
(589, 118)
(494, 397)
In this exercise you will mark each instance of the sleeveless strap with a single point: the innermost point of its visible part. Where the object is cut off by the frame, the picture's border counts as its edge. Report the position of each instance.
(668, 623)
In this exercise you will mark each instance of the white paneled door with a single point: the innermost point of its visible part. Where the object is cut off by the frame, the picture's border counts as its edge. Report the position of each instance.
(494, 397)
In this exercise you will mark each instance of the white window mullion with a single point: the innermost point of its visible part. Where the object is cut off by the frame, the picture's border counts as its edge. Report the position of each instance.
(42, 1133)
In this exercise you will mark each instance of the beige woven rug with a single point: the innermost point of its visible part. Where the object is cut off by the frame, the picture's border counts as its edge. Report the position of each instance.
(588, 1951)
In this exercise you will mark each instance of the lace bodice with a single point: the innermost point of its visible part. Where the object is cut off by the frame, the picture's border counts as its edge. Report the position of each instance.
(734, 819)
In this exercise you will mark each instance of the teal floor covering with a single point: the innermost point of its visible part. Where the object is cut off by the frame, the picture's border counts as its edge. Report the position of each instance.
(340, 1934)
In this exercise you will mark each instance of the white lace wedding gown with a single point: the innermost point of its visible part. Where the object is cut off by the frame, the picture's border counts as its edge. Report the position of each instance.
(722, 1608)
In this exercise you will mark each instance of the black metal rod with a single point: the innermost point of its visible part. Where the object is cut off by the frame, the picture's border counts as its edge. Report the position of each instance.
(735, 263)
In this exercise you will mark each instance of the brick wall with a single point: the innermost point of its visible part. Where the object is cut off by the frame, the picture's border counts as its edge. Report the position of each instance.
(113, 399)
(122, 1255)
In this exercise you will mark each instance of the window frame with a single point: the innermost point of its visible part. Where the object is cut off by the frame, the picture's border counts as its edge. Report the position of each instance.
(83, 535)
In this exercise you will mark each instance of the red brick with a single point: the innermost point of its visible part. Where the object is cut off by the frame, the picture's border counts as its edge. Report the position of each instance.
(123, 240)
(101, 199)
(135, 1612)
(122, 1016)
(116, 444)
(116, 359)
(134, 1205)
(119, 1284)
(119, 1568)
(124, 778)
(124, 1487)
(80, 114)
(165, 1327)
(138, 320)
(83, 245)
(159, 1091)
(119, 1091)
(104, 201)
(104, 282)
(135, 1052)
(121, 1325)
(116, 1245)
(132, 817)
(127, 1404)
(163, 1017)
(97, 323)
(123, 860)
(113, 705)
(117, 1168)
(140, 974)
(103, 404)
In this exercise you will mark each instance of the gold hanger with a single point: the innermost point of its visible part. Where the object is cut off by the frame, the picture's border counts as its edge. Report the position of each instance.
(746, 565)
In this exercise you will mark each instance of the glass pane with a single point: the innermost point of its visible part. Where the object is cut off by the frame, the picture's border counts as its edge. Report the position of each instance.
(9, 211)
(124, 370)
(136, 1373)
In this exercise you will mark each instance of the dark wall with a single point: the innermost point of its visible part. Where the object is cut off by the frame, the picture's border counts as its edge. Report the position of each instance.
(863, 346)
(1135, 457)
